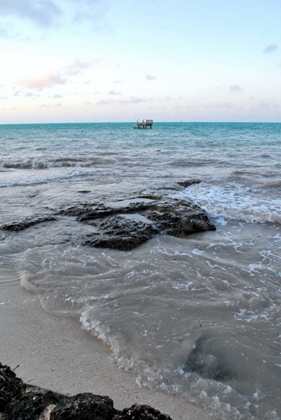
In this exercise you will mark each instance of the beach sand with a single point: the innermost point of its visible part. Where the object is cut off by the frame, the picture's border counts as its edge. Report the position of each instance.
(54, 353)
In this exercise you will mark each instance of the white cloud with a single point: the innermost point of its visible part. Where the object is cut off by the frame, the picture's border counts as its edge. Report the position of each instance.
(56, 96)
(51, 13)
(112, 92)
(41, 12)
(104, 102)
(77, 67)
(29, 94)
(49, 80)
(3, 33)
(268, 105)
(270, 49)
(58, 78)
(92, 10)
(235, 89)
(150, 77)
(221, 105)
(133, 100)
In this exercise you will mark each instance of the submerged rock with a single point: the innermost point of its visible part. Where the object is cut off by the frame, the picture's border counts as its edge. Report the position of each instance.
(136, 224)
(116, 232)
(126, 224)
(22, 224)
(207, 359)
(189, 182)
(19, 401)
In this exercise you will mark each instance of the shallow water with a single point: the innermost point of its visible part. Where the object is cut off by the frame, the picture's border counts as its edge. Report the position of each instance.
(197, 316)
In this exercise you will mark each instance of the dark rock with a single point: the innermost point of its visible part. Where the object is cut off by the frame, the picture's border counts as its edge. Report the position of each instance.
(207, 359)
(10, 386)
(141, 412)
(125, 227)
(84, 407)
(19, 401)
(189, 182)
(31, 405)
(120, 233)
(126, 224)
(76, 210)
(26, 223)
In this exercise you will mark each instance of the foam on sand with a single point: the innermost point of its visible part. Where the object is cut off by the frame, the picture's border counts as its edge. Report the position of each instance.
(53, 353)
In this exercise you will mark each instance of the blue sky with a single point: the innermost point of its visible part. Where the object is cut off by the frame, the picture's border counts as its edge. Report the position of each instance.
(122, 60)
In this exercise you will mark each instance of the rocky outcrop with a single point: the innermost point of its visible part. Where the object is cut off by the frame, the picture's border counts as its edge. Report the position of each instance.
(189, 182)
(22, 224)
(126, 224)
(19, 401)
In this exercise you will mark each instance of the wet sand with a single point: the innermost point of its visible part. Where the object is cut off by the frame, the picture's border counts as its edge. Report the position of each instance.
(55, 353)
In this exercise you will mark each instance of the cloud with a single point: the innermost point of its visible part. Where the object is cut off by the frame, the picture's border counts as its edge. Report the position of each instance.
(150, 77)
(29, 94)
(221, 105)
(235, 88)
(104, 102)
(3, 33)
(56, 96)
(270, 49)
(59, 78)
(9, 109)
(25, 95)
(47, 81)
(133, 100)
(92, 10)
(112, 92)
(41, 12)
(78, 66)
(268, 106)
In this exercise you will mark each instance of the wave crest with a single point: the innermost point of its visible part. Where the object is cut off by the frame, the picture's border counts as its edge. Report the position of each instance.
(234, 202)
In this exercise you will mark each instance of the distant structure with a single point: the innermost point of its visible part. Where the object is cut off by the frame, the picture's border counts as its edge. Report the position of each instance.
(144, 124)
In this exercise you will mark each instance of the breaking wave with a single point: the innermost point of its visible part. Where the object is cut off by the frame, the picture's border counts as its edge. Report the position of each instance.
(232, 201)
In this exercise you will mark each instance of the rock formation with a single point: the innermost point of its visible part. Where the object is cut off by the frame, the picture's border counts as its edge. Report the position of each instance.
(126, 224)
(19, 401)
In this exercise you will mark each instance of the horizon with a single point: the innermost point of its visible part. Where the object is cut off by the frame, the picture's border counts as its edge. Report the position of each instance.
(64, 62)
(133, 122)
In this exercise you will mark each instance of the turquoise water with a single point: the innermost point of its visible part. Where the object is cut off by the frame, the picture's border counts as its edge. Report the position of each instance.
(213, 295)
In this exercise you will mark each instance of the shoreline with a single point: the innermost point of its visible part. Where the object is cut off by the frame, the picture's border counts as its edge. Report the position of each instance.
(54, 353)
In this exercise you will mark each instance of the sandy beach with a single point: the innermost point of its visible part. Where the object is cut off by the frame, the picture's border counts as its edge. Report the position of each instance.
(54, 353)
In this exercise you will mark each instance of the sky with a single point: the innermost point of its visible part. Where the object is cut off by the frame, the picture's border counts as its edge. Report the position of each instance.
(123, 60)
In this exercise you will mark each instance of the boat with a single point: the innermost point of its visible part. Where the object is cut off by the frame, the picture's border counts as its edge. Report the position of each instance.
(144, 124)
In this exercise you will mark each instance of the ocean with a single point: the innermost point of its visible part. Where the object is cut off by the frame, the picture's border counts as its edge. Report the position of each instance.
(200, 316)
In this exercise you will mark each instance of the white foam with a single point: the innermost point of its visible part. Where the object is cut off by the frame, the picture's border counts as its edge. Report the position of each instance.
(25, 282)
(233, 202)
(33, 177)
